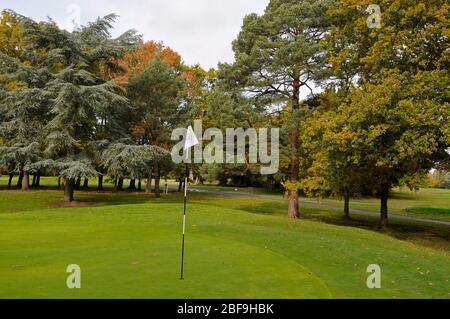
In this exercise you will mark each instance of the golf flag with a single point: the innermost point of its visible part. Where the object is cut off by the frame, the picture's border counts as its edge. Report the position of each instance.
(189, 141)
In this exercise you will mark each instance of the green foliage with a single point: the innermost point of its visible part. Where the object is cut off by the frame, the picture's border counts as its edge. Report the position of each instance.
(392, 125)
(156, 93)
(80, 97)
(413, 38)
(396, 130)
(63, 104)
(10, 34)
(132, 161)
(278, 55)
(66, 168)
(19, 157)
(280, 50)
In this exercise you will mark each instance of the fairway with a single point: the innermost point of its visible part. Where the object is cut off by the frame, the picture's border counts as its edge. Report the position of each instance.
(131, 249)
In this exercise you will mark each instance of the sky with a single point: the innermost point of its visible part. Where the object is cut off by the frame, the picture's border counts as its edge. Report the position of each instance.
(200, 30)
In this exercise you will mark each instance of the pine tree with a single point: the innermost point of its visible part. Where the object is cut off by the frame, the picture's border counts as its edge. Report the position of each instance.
(158, 96)
(278, 56)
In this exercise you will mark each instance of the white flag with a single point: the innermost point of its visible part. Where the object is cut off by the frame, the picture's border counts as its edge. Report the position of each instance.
(191, 139)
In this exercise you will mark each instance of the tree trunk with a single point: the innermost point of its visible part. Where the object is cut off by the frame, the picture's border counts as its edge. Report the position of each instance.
(347, 206)
(140, 185)
(132, 185)
(148, 188)
(38, 179)
(26, 181)
(191, 175)
(294, 211)
(119, 184)
(33, 183)
(19, 181)
(11, 176)
(180, 185)
(78, 183)
(86, 183)
(157, 180)
(59, 182)
(384, 207)
(293, 205)
(68, 190)
(100, 183)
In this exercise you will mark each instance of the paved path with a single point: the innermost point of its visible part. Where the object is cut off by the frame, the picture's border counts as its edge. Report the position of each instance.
(316, 204)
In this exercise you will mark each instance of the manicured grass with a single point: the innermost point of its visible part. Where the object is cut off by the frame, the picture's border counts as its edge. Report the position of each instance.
(429, 211)
(128, 246)
(405, 202)
(231, 189)
(425, 203)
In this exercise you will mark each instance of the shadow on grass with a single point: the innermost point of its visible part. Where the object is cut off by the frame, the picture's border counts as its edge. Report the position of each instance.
(435, 236)
(88, 197)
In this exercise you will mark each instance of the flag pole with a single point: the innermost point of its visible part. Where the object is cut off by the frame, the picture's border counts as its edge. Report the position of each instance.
(190, 141)
(184, 217)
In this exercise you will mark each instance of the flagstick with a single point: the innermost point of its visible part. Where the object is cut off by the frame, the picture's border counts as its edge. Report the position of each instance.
(184, 220)
(190, 140)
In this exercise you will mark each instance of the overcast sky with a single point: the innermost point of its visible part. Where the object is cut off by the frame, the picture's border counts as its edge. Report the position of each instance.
(200, 30)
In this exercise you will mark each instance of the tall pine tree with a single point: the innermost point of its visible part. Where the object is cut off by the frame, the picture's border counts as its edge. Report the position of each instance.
(279, 56)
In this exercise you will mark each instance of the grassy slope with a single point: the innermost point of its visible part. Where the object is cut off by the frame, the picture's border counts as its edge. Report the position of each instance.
(240, 249)
(419, 204)
(426, 203)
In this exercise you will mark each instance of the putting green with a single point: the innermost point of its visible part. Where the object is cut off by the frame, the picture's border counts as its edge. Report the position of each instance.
(144, 264)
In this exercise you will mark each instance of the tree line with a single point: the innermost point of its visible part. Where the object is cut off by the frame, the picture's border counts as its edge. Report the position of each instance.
(83, 104)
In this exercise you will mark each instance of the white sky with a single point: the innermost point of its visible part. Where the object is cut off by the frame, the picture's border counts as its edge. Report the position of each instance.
(200, 30)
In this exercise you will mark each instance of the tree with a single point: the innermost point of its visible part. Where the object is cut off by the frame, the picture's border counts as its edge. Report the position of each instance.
(11, 42)
(397, 116)
(24, 114)
(133, 161)
(396, 131)
(135, 61)
(413, 37)
(157, 94)
(76, 94)
(20, 157)
(19, 108)
(329, 169)
(277, 56)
